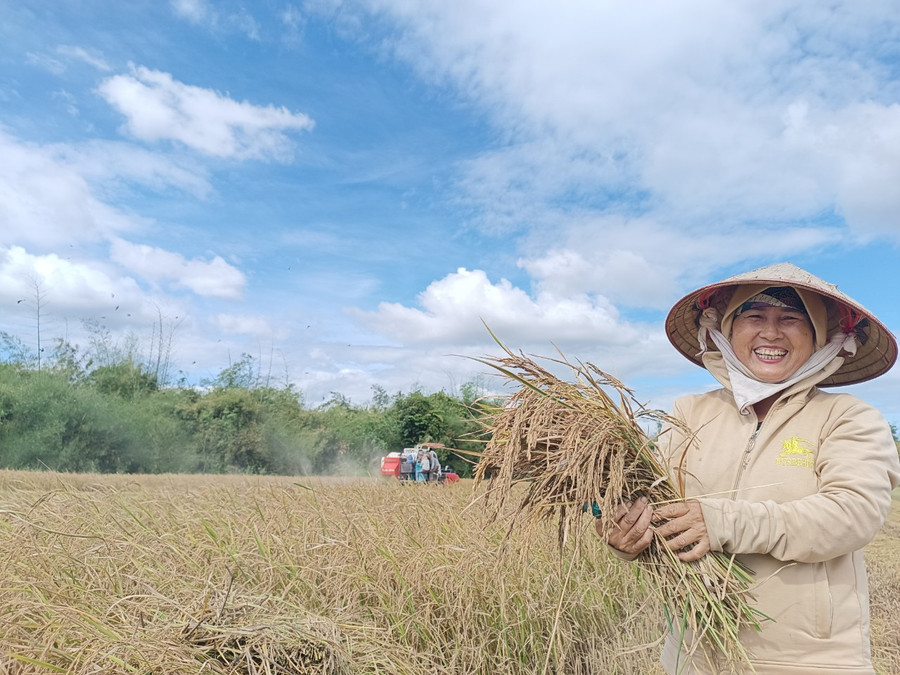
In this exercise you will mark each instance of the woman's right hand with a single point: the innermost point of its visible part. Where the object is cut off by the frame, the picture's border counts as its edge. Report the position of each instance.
(632, 533)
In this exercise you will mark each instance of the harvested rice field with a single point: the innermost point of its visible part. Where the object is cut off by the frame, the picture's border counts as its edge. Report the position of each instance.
(225, 574)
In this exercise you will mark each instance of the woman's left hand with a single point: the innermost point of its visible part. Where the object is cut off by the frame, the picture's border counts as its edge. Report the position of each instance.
(682, 526)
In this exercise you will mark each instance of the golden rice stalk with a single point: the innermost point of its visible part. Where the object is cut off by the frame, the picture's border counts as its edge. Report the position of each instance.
(580, 445)
(246, 638)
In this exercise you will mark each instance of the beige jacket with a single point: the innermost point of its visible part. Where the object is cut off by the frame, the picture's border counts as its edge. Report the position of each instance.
(796, 500)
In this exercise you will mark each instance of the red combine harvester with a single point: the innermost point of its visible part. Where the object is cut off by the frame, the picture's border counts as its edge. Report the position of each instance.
(402, 465)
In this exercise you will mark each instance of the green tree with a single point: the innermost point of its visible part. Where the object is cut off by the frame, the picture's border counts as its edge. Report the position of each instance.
(225, 425)
(124, 379)
(14, 351)
(242, 373)
(418, 419)
(67, 361)
(46, 422)
(438, 418)
(345, 439)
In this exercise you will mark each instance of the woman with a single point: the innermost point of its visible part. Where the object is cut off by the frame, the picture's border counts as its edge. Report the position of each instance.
(793, 480)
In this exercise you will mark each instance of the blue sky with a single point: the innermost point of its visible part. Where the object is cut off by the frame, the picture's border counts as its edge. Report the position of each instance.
(346, 189)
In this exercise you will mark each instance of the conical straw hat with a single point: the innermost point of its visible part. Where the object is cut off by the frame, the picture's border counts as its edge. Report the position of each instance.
(877, 347)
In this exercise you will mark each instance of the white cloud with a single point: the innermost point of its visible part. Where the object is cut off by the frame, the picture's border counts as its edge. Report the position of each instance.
(453, 309)
(866, 161)
(203, 13)
(535, 182)
(73, 299)
(643, 263)
(69, 286)
(45, 202)
(292, 18)
(48, 193)
(81, 54)
(69, 100)
(157, 107)
(245, 23)
(294, 22)
(694, 117)
(109, 163)
(214, 278)
(69, 53)
(256, 325)
(195, 11)
(637, 148)
(45, 62)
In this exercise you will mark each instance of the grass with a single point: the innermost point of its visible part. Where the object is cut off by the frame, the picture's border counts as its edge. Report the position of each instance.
(195, 574)
(883, 564)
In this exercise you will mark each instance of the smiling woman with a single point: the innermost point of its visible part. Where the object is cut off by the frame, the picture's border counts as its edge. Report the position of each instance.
(773, 342)
(772, 336)
(792, 481)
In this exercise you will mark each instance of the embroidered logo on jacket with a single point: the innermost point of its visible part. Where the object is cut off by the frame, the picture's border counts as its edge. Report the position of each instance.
(796, 452)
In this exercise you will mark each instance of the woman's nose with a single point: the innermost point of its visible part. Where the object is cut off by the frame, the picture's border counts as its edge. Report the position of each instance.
(771, 328)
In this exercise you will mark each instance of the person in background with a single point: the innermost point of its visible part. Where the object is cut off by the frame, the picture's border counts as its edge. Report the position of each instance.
(435, 463)
(426, 465)
(792, 480)
(420, 476)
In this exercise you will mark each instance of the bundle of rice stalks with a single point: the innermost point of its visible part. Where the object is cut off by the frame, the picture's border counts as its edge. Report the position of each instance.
(246, 639)
(278, 647)
(581, 446)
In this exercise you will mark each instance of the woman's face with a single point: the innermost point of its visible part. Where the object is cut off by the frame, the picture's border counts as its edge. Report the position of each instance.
(773, 342)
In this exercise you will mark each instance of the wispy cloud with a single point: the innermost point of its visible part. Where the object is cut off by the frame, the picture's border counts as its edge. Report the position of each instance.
(46, 62)
(255, 325)
(158, 107)
(63, 55)
(109, 163)
(204, 13)
(644, 263)
(49, 193)
(699, 119)
(81, 54)
(45, 202)
(196, 11)
(294, 22)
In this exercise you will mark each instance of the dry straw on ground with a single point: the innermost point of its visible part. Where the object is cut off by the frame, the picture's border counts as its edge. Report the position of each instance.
(178, 575)
(581, 443)
(153, 574)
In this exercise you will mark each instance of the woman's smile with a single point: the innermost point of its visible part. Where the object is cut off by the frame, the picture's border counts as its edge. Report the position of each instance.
(772, 342)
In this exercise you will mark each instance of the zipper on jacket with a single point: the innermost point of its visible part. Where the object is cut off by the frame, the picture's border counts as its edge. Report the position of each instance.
(745, 460)
(751, 443)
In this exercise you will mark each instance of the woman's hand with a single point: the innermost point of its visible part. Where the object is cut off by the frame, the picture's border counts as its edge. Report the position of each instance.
(632, 533)
(683, 525)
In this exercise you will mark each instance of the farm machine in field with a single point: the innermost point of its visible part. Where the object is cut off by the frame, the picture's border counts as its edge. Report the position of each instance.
(402, 465)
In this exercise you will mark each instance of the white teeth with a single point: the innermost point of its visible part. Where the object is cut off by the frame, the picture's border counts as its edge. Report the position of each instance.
(765, 353)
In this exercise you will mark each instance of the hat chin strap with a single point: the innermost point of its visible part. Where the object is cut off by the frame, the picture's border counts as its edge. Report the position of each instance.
(745, 387)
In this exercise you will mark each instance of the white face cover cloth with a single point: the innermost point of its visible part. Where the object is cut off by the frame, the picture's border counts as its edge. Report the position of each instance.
(745, 388)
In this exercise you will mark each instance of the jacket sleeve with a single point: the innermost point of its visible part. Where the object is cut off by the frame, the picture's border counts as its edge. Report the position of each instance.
(857, 466)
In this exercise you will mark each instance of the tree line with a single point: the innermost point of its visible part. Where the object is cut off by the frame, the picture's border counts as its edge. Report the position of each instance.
(103, 410)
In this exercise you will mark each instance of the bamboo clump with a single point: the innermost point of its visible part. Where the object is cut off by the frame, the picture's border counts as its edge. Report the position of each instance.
(580, 446)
